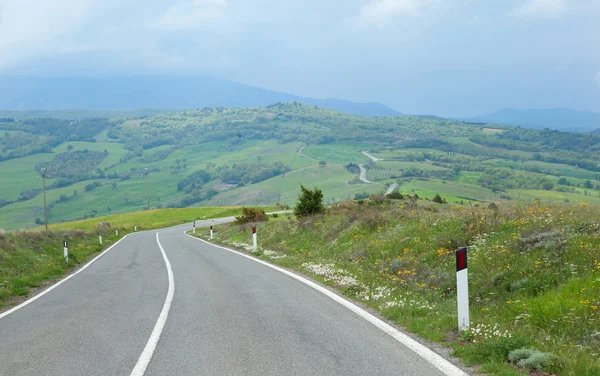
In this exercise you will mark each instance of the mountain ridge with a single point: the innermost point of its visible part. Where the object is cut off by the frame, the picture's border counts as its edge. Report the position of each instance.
(167, 93)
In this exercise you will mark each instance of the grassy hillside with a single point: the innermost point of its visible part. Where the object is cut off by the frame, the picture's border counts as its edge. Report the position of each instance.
(534, 274)
(218, 156)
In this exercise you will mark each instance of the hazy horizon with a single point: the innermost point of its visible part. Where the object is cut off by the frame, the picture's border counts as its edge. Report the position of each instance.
(451, 58)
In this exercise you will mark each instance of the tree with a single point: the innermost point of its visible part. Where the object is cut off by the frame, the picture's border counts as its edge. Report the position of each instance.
(439, 199)
(126, 199)
(322, 163)
(69, 147)
(547, 186)
(114, 184)
(588, 184)
(310, 202)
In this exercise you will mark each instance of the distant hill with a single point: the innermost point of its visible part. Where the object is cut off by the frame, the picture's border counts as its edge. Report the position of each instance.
(24, 93)
(562, 119)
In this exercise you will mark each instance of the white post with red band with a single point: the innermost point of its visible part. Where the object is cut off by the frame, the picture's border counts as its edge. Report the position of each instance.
(194, 228)
(254, 241)
(66, 251)
(211, 232)
(462, 289)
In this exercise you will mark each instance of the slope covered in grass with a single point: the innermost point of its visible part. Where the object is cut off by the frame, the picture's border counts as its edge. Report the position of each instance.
(534, 273)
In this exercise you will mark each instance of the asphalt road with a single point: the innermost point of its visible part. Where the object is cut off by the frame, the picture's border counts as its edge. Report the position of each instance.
(229, 316)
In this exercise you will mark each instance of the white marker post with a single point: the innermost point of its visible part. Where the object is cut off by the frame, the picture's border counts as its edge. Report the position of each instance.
(100, 238)
(211, 232)
(135, 228)
(117, 232)
(194, 228)
(462, 288)
(254, 241)
(66, 251)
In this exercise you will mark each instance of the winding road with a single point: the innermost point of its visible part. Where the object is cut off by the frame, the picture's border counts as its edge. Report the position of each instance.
(164, 303)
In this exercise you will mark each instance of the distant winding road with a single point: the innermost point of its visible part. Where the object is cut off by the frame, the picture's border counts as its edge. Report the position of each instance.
(163, 303)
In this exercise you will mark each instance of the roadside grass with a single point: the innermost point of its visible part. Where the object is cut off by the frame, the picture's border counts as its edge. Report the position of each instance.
(32, 259)
(534, 273)
(152, 219)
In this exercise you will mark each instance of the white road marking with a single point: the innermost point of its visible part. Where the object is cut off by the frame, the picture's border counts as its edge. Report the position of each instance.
(36, 297)
(146, 356)
(430, 356)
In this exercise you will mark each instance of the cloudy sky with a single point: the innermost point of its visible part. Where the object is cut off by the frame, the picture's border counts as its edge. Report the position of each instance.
(443, 57)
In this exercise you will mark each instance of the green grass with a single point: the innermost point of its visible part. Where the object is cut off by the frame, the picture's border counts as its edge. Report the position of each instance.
(338, 153)
(398, 166)
(450, 190)
(555, 168)
(534, 273)
(29, 259)
(548, 197)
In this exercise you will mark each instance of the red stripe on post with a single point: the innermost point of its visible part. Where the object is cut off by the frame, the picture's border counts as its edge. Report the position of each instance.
(211, 227)
(254, 230)
(461, 259)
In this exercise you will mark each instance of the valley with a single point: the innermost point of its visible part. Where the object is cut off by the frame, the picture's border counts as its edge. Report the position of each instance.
(261, 155)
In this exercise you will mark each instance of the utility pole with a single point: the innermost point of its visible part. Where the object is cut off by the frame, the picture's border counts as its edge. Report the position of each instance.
(147, 194)
(45, 206)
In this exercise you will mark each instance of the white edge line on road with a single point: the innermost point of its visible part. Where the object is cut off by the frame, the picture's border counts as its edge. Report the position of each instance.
(36, 297)
(146, 356)
(429, 355)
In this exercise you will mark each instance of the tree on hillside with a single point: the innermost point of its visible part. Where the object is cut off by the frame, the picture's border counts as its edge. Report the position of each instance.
(310, 202)
(322, 163)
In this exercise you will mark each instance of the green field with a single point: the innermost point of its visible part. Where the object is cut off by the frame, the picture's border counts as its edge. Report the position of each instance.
(451, 191)
(338, 153)
(399, 166)
(331, 179)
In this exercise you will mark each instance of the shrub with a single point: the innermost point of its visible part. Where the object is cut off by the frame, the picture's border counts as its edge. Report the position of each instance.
(532, 359)
(310, 202)
(251, 215)
(439, 199)
(361, 195)
(395, 196)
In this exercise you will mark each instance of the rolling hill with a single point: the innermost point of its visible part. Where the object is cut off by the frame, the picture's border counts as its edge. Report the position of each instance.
(261, 155)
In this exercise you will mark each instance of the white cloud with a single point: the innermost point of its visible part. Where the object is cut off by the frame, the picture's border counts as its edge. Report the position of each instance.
(380, 13)
(31, 27)
(192, 14)
(540, 9)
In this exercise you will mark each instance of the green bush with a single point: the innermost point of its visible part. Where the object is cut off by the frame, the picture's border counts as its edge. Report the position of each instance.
(395, 196)
(439, 199)
(532, 359)
(309, 202)
(251, 215)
